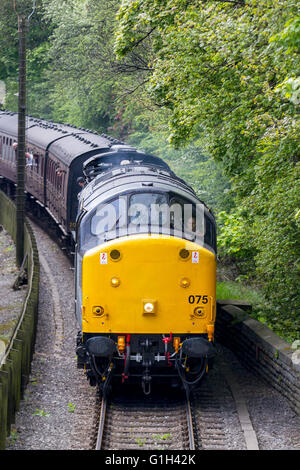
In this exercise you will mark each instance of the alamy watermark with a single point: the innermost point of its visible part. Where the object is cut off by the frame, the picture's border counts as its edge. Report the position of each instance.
(149, 214)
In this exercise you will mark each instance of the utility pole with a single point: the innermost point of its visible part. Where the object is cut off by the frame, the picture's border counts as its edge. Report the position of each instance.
(23, 23)
(20, 196)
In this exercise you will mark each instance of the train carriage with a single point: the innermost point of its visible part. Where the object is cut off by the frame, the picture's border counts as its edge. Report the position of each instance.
(58, 153)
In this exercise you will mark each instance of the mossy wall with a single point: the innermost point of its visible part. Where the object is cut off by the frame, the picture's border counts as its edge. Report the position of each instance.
(15, 367)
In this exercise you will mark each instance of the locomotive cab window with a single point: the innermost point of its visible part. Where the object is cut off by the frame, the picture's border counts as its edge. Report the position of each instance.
(103, 223)
(149, 213)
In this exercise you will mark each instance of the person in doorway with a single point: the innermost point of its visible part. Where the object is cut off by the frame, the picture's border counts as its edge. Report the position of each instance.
(29, 159)
(81, 182)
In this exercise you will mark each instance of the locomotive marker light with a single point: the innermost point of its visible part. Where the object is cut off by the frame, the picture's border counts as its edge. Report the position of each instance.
(121, 344)
(210, 332)
(176, 343)
(115, 282)
(185, 282)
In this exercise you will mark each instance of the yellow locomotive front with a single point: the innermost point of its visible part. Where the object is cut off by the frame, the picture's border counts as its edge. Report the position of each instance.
(143, 284)
(146, 283)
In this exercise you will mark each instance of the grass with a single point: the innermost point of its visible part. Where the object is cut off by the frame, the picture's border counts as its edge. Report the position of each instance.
(71, 407)
(161, 436)
(39, 412)
(140, 441)
(287, 329)
(237, 291)
(13, 435)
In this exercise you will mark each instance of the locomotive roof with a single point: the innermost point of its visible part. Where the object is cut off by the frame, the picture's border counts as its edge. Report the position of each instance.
(120, 156)
(133, 178)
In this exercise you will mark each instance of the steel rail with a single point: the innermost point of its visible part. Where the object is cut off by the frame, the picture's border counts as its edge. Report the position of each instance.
(189, 419)
(101, 424)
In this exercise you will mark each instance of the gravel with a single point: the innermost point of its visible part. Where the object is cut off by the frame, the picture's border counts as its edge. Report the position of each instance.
(48, 411)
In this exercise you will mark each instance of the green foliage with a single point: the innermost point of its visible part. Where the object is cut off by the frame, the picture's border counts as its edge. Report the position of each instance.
(289, 37)
(141, 442)
(71, 407)
(39, 412)
(82, 50)
(13, 435)
(8, 39)
(228, 74)
(23, 8)
(219, 80)
(162, 437)
(203, 174)
(233, 237)
(37, 62)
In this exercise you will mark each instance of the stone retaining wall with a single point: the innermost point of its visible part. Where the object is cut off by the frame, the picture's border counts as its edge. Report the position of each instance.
(259, 349)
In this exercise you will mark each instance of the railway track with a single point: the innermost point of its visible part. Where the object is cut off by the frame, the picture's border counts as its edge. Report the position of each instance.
(174, 422)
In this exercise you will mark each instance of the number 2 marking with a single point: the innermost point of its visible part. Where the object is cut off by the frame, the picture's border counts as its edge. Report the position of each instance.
(103, 258)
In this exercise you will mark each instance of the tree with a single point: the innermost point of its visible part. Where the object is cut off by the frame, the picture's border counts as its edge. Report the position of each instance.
(227, 73)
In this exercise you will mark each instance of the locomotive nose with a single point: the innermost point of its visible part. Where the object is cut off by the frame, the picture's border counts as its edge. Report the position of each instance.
(148, 283)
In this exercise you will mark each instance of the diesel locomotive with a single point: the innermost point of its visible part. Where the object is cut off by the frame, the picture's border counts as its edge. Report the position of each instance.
(145, 253)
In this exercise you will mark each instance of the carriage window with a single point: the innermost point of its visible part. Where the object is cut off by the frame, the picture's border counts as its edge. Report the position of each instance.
(63, 182)
(42, 166)
(59, 174)
(51, 171)
(35, 163)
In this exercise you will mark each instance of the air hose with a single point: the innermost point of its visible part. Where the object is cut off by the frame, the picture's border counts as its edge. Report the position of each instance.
(193, 382)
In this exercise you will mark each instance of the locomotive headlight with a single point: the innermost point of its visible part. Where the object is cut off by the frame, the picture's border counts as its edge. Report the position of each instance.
(149, 307)
(115, 282)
